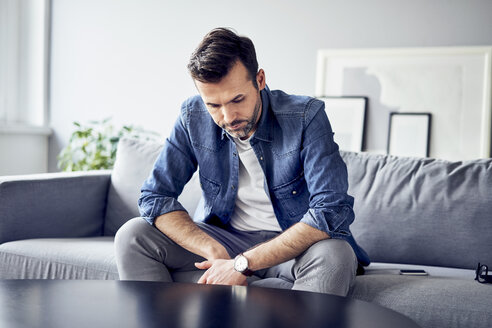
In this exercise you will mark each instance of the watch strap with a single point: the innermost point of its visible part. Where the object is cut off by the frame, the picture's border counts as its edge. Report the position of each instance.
(247, 273)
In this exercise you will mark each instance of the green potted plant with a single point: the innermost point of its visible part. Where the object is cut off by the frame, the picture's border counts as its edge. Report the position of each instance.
(93, 146)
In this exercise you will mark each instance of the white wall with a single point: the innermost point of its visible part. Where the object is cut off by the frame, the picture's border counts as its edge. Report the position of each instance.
(127, 58)
(24, 150)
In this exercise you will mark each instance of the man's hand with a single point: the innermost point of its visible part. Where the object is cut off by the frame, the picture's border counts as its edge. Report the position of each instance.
(220, 272)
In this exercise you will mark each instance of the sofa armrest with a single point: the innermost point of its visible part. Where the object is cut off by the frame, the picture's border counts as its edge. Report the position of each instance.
(51, 205)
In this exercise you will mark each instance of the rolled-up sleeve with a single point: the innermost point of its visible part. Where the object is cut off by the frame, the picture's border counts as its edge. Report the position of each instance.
(330, 207)
(173, 168)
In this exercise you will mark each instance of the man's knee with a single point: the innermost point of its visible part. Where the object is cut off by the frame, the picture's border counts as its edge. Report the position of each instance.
(129, 232)
(331, 257)
(328, 266)
(334, 253)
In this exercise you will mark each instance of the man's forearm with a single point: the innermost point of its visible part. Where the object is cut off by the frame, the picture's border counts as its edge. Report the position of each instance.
(284, 247)
(182, 230)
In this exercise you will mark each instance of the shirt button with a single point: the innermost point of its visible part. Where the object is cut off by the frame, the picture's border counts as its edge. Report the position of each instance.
(261, 158)
(232, 187)
(234, 154)
(294, 192)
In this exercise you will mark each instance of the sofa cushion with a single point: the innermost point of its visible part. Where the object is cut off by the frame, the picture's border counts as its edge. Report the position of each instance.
(433, 302)
(422, 211)
(376, 268)
(134, 161)
(58, 258)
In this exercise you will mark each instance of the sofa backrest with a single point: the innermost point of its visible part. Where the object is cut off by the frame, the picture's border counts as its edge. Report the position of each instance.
(422, 211)
(134, 161)
(408, 210)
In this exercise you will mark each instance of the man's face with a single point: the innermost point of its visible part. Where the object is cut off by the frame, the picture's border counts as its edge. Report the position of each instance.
(233, 102)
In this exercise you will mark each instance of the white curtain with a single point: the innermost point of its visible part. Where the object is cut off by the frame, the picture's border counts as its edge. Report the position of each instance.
(23, 62)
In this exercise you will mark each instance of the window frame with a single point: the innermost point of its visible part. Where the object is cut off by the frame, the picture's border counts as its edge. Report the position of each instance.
(25, 28)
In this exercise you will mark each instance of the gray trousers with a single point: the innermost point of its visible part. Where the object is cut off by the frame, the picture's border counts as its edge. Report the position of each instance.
(145, 253)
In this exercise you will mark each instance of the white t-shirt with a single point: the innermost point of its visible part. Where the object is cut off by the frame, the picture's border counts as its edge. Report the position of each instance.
(253, 210)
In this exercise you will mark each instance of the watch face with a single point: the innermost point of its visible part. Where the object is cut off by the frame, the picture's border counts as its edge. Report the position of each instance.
(241, 263)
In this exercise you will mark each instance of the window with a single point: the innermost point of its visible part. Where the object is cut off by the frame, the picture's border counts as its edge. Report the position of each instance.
(24, 30)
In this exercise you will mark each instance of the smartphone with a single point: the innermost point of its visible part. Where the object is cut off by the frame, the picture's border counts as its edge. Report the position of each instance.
(414, 272)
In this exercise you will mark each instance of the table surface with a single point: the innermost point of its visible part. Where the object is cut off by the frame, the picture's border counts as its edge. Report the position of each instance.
(97, 303)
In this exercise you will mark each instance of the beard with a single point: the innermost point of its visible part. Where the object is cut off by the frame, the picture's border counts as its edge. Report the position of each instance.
(248, 127)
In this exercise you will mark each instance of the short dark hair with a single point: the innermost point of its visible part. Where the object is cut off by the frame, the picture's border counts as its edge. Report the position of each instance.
(219, 50)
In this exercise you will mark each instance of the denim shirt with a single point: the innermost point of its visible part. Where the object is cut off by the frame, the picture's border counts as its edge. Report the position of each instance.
(305, 176)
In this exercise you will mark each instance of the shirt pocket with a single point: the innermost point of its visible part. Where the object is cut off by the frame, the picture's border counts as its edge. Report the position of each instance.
(210, 190)
(293, 196)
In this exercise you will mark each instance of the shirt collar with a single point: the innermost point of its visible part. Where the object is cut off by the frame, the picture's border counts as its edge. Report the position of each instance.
(265, 125)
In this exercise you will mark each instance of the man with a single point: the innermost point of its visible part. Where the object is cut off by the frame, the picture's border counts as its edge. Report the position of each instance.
(274, 186)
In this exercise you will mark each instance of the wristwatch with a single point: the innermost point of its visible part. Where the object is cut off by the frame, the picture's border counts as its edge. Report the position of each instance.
(241, 265)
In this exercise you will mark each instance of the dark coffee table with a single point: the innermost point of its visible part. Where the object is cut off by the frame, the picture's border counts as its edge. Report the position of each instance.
(82, 303)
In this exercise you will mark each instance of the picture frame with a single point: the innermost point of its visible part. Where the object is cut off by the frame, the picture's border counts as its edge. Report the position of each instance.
(347, 120)
(409, 134)
(451, 83)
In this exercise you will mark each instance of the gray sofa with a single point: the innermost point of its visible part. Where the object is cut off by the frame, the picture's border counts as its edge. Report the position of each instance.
(410, 213)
